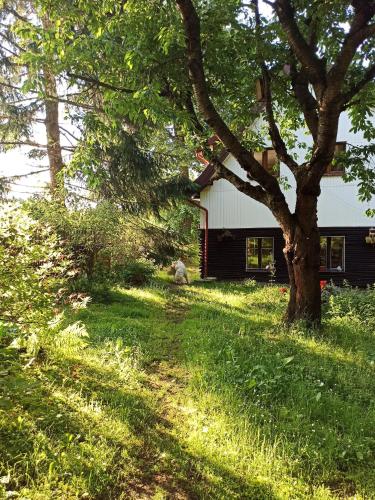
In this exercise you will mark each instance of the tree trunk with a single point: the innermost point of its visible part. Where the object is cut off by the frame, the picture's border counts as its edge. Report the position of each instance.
(55, 159)
(90, 264)
(302, 253)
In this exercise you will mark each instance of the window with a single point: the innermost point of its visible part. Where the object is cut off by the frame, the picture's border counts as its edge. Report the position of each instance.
(332, 253)
(259, 253)
(337, 169)
(268, 159)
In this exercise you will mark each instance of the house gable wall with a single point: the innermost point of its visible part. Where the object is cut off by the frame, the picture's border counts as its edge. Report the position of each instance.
(338, 204)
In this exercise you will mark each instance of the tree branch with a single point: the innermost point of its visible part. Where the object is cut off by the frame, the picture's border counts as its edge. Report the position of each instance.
(32, 144)
(331, 103)
(20, 176)
(73, 103)
(359, 31)
(275, 199)
(29, 117)
(277, 141)
(13, 43)
(99, 83)
(10, 86)
(208, 110)
(255, 192)
(308, 103)
(7, 49)
(313, 32)
(189, 106)
(68, 132)
(16, 14)
(313, 65)
(50, 97)
(356, 88)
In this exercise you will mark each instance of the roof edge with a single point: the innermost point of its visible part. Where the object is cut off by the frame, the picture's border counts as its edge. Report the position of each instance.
(204, 179)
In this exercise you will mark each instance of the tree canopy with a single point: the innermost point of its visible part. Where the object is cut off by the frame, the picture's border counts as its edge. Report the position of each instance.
(166, 75)
(126, 65)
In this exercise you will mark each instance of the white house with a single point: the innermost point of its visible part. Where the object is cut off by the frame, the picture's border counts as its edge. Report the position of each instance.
(240, 236)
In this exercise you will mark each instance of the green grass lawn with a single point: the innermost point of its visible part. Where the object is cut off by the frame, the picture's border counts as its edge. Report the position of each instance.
(191, 392)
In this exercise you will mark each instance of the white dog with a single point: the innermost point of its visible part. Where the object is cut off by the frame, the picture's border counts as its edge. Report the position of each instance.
(180, 272)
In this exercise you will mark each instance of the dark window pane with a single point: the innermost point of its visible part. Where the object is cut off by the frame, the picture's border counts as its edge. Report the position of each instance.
(337, 168)
(337, 252)
(267, 252)
(267, 243)
(259, 253)
(267, 257)
(252, 253)
(323, 253)
(340, 147)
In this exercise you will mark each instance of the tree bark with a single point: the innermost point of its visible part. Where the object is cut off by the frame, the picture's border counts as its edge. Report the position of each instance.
(302, 254)
(55, 159)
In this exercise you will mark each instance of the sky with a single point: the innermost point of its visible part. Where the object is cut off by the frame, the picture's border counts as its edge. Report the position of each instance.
(17, 162)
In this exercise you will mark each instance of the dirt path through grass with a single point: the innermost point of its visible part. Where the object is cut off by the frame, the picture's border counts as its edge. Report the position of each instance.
(165, 380)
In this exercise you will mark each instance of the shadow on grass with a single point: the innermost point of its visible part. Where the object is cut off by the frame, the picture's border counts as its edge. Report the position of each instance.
(70, 427)
(314, 392)
(142, 459)
(106, 435)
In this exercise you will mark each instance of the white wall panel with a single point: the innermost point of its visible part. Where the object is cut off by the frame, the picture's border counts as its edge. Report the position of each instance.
(338, 203)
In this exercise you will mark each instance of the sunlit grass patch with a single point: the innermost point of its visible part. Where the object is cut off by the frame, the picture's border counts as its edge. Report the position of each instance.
(231, 442)
(300, 389)
(195, 390)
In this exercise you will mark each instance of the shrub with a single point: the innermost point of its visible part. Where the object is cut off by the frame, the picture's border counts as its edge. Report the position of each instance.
(351, 302)
(34, 271)
(135, 273)
(101, 239)
(97, 290)
(89, 233)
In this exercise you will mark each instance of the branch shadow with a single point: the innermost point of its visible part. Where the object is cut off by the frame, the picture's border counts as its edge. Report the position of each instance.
(315, 394)
(147, 459)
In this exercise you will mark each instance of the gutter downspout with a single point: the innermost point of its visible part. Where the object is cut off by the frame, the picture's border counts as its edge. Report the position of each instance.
(205, 246)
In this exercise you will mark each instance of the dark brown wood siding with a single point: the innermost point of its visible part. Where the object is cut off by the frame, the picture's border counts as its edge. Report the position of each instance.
(227, 255)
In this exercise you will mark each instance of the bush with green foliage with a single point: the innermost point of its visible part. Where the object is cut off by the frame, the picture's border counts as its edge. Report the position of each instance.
(89, 233)
(103, 239)
(34, 271)
(136, 273)
(350, 303)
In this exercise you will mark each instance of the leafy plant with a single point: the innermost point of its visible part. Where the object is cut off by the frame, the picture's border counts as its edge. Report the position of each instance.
(351, 302)
(137, 272)
(34, 271)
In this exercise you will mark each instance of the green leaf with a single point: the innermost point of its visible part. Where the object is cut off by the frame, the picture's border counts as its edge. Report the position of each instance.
(288, 360)
(251, 383)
